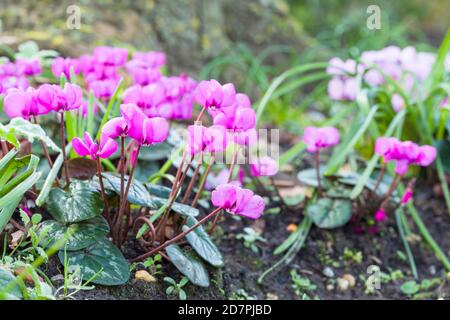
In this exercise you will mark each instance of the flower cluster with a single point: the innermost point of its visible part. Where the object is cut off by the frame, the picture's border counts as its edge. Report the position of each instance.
(14, 74)
(406, 66)
(237, 200)
(47, 98)
(144, 68)
(404, 153)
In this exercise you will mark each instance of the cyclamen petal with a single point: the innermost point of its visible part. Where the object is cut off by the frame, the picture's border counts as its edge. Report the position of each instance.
(265, 166)
(108, 149)
(318, 138)
(155, 130)
(79, 147)
(224, 196)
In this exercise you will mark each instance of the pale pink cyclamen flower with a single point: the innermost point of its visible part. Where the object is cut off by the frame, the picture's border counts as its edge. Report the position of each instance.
(20, 103)
(397, 102)
(57, 99)
(238, 201)
(85, 108)
(144, 130)
(114, 128)
(202, 139)
(103, 89)
(318, 138)
(212, 181)
(265, 166)
(211, 94)
(90, 148)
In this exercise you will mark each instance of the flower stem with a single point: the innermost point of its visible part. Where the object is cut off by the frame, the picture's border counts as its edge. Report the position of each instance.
(203, 181)
(392, 188)
(122, 169)
(200, 116)
(63, 144)
(191, 183)
(233, 163)
(317, 162)
(119, 221)
(102, 191)
(178, 237)
(380, 178)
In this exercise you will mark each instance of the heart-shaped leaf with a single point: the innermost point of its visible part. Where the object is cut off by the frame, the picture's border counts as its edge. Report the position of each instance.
(8, 281)
(80, 202)
(202, 244)
(158, 190)
(104, 256)
(309, 177)
(329, 213)
(156, 152)
(81, 168)
(189, 265)
(79, 235)
(180, 208)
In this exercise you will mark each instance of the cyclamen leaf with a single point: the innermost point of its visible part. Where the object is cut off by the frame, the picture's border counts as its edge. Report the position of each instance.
(30, 131)
(80, 202)
(329, 213)
(79, 235)
(102, 256)
(8, 288)
(202, 244)
(189, 265)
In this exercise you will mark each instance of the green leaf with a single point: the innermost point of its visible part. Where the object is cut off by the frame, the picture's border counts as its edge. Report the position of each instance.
(309, 177)
(409, 287)
(102, 256)
(79, 235)
(329, 213)
(202, 244)
(156, 152)
(189, 265)
(80, 202)
(31, 131)
(158, 190)
(8, 282)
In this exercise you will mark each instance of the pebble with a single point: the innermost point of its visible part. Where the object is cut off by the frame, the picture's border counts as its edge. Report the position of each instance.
(328, 272)
(448, 276)
(351, 279)
(343, 284)
(144, 276)
(330, 287)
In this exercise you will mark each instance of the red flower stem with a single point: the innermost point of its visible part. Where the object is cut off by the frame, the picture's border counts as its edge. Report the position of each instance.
(178, 237)
(317, 162)
(102, 191)
(122, 168)
(177, 177)
(119, 221)
(380, 178)
(392, 188)
(200, 115)
(201, 185)
(4, 148)
(191, 183)
(233, 163)
(63, 144)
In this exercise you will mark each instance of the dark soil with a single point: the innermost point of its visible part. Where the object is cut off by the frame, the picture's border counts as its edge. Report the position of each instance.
(322, 249)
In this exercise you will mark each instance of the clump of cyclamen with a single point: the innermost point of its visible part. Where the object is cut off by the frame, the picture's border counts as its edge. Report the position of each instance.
(14, 75)
(404, 153)
(406, 66)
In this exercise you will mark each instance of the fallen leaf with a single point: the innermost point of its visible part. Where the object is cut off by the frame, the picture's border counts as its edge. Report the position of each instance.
(144, 276)
(292, 227)
(15, 238)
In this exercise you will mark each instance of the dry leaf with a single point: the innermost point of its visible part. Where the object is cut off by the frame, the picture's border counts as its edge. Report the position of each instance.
(144, 276)
(15, 238)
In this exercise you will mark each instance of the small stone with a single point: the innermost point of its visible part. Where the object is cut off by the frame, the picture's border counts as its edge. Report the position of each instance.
(432, 270)
(343, 284)
(351, 279)
(144, 276)
(330, 287)
(328, 272)
(292, 227)
(448, 276)
(271, 296)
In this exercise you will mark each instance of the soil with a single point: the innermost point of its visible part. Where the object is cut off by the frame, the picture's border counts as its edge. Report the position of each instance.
(323, 249)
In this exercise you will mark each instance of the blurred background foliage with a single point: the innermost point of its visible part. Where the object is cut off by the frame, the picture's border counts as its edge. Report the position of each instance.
(246, 42)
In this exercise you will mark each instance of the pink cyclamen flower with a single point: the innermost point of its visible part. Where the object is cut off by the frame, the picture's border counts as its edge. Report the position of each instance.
(318, 138)
(65, 66)
(90, 148)
(380, 215)
(212, 181)
(57, 99)
(238, 201)
(211, 94)
(404, 153)
(111, 56)
(116, 127)
(407, 196)
(265, 166)
(144, 130)
(20, 103)
(28, 67)
(85, 108)
(212, 139)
